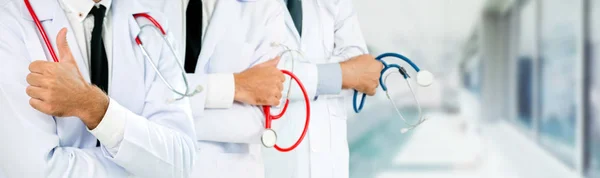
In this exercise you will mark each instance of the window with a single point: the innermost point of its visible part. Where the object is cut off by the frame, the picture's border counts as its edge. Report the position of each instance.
(526, 55)
(594, 90)
(559, 53)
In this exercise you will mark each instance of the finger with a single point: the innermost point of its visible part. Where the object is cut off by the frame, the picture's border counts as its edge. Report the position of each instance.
(371, 92)
(35, 92)
(375, 84)
(275, 102)
(278, 96)
(371, 56)
(373, 89)
(281, 76)
(39, 66)
(273, 62)
(64, 51)
(380, 65)
(39, 105)
(279, 86)
(36, 79)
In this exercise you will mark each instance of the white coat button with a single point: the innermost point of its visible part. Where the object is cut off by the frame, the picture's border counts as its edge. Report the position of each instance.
(314, 150)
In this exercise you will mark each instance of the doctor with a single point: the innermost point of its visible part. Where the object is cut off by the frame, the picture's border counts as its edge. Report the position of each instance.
(329, 33)
(232, 42)
(51, 116)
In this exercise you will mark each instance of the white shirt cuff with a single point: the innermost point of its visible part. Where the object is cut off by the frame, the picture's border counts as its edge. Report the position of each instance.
(111, 129)
(220, 91)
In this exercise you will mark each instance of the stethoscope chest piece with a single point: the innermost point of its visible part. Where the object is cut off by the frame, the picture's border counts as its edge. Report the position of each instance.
(424, 78)
(269, 138)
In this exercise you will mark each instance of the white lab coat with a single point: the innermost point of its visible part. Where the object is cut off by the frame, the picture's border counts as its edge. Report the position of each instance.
(158, 137)
(331, 34)
(239, 35)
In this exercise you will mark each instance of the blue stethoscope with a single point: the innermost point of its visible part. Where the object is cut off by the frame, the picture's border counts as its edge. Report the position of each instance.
(424, 78)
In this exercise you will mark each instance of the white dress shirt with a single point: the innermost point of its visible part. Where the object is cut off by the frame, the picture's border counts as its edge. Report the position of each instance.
(111, 129)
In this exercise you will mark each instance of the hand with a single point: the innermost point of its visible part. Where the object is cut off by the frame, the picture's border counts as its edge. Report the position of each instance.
(361, 73)
(58, 89)
(260, 85)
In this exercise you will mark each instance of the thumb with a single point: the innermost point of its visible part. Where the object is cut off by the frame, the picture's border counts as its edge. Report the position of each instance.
(64, 52)
(273, 62)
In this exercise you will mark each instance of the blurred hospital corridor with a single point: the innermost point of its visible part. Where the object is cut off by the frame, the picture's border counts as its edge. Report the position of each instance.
(515, 92)
(448, 145)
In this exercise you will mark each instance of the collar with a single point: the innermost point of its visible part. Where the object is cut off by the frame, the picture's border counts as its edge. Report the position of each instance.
(83, 7)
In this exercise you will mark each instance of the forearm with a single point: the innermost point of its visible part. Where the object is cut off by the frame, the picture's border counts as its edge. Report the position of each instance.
(35, 149)
(308, 74)
(241, 123)
(88, 162)
(323, 79)
(132, 139)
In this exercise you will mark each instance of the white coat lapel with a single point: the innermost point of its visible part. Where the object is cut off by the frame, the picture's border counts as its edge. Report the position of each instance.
(128, 64)
(53, 19)
(226, 11)
(289, 22)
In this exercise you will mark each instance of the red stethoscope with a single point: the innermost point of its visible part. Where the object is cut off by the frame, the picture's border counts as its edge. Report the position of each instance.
(269, 136)
(156, 26)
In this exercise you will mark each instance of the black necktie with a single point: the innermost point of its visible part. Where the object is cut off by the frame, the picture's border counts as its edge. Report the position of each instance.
(295, 8)
(98, 59)
(193, 41)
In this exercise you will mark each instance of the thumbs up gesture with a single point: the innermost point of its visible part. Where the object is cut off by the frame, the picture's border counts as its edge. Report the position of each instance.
(59, 89)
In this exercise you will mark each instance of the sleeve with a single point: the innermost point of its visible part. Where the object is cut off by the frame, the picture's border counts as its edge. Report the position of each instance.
(111, 129)
(241, 123)
(159, 141)
(330, 79)
(220, 89)
(348, 37)
(31, 146)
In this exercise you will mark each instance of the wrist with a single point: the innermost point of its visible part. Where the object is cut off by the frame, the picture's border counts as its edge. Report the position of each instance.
(348, 82)
(239, 92)
(94, 107)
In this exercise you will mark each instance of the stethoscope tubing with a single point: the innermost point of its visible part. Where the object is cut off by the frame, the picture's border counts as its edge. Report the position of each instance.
(40, 28)
(157, 27)
(382, 80)
(269, 118)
